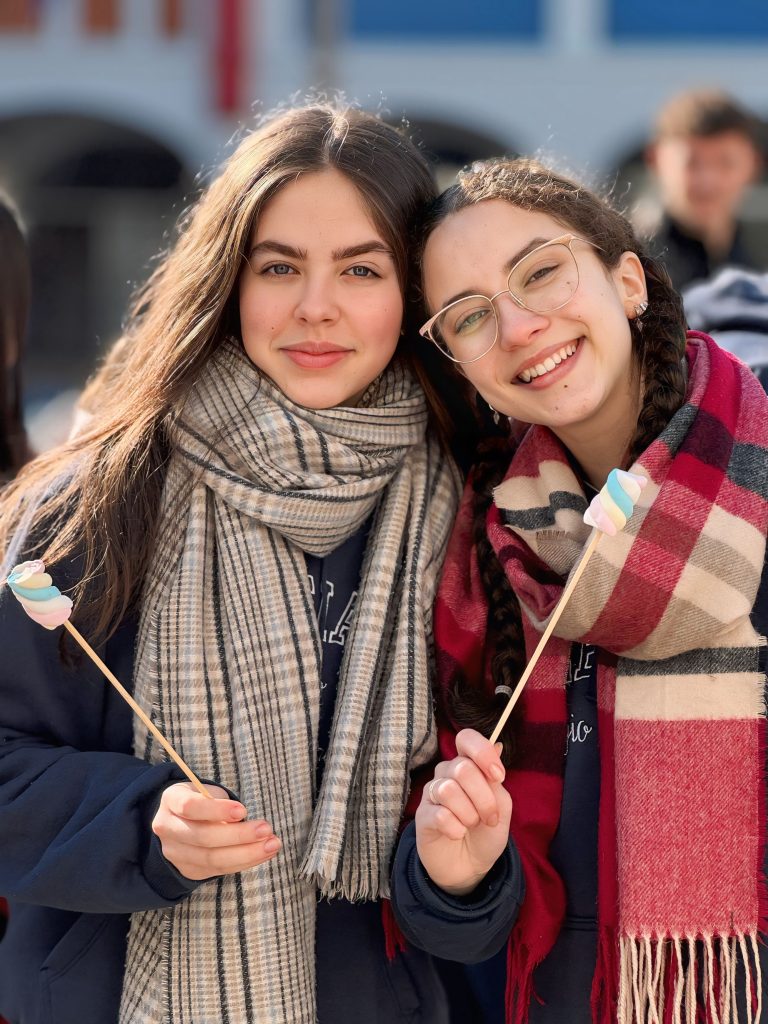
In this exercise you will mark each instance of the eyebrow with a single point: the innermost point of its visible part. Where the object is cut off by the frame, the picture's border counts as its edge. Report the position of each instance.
(350, 252)
(520, 254)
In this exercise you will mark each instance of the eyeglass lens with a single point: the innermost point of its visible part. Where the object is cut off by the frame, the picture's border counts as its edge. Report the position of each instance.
(543, 281)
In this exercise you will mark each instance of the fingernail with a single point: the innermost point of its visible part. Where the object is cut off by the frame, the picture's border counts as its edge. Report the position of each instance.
(263, 830)
(493, 821)
(497, 772)
(498, 747)
(237, 814)
(272, 845)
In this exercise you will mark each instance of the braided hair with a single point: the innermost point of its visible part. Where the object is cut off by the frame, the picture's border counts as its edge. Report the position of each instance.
(658, 344)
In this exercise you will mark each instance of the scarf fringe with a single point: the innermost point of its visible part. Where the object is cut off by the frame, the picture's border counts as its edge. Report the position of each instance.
(605, 981)
(681, 981)
(520, 967)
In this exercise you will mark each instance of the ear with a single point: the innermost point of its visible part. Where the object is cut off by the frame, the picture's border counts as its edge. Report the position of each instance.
(629, 278)
(649, 155)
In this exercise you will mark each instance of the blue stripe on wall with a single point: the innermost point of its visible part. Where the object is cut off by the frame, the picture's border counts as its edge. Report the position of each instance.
(678, 21)
(441, 20)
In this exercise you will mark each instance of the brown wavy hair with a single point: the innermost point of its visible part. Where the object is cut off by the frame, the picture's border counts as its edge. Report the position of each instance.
(14, 312)
(658, 344)
(97, 497)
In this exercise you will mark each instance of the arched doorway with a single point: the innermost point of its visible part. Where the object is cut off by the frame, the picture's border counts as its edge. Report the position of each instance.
(98, 200)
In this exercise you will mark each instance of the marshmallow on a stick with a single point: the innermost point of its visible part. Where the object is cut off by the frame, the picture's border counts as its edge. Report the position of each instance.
(45, 603)
(40, 599)
(613, 505)
(608, 513)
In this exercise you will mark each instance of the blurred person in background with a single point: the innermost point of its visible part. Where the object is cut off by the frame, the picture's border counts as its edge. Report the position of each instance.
(14, 311)
(704, 155)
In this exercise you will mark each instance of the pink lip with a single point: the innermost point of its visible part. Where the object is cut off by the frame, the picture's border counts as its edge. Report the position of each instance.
(553, 375)
(315, 355)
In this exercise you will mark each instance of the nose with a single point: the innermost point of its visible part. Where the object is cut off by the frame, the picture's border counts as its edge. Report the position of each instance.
(516, 324)
(317, 301)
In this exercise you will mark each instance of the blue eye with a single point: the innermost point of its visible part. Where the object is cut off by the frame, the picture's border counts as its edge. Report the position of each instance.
(361, 271)
(278, 270)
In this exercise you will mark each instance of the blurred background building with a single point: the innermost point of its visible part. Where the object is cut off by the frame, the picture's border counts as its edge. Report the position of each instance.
(113, 111)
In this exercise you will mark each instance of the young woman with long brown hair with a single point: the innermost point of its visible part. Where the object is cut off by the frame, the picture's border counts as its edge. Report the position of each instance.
(616, 844)
(251, 525)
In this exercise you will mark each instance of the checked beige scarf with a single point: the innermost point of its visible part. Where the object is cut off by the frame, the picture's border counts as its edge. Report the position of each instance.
(229, 659)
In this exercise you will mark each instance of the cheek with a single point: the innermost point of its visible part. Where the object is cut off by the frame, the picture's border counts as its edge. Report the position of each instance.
(260, 316)
(382, 321)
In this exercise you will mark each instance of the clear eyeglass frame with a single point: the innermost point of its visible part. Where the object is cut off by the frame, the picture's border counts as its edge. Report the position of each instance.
(567, 240)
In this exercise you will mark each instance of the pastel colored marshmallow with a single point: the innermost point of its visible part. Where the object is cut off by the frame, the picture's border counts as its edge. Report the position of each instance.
(612, 507)
(40, 599)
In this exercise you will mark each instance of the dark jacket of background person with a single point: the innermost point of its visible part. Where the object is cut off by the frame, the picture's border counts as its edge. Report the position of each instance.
(14, 311)
(733, 308)
(687, 259)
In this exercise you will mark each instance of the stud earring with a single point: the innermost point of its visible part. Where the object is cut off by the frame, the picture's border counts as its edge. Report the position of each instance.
(640, 308)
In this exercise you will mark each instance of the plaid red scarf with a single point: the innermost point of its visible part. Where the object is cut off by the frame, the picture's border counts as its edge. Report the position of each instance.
(680, 700)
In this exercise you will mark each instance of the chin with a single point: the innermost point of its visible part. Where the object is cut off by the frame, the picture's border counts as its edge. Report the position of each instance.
(312, 399)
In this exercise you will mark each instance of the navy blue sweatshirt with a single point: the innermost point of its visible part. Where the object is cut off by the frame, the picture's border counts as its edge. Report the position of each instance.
(78, 854)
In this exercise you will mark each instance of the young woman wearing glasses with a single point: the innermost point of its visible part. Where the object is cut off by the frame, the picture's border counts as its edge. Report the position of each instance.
(616, 843)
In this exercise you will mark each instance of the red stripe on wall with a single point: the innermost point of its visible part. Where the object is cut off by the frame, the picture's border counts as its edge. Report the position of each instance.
(18, 15)
(171, 21)
(229, 55)
(101, 16)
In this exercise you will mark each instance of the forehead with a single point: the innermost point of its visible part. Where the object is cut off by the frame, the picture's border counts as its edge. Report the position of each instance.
(710, 146)
(320, 206)
(469, 249)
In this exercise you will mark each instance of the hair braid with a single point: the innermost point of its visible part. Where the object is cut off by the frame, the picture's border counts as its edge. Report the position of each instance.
(660, 346)
(470, 705)
(658, 341)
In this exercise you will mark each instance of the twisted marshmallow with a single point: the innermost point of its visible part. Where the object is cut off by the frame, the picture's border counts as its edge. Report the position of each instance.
(41, 600)
(612, 507)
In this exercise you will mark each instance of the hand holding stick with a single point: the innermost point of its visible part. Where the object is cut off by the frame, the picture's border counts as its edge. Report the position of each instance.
(45, 603)
(608, 513)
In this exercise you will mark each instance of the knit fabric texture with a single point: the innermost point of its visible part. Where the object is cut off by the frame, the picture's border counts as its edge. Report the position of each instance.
(229, 659)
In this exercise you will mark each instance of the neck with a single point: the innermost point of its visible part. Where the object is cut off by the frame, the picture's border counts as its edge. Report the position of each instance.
(602, 444)
(716, 236)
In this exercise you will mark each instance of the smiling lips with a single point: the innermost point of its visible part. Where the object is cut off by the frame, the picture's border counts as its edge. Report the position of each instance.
(551, 362)
(315, 355)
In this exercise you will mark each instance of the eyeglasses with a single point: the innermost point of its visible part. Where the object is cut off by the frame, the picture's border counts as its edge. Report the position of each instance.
(544, 280)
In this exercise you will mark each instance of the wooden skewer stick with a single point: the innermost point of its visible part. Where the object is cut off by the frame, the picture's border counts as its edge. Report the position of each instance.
(596, 535)
(137, 710)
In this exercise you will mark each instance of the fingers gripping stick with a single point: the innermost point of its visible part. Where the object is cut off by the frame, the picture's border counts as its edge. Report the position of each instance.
(44, 602)
(608, 513)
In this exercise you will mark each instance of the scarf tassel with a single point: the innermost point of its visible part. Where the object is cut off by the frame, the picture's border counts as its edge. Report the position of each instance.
(521, 964)
(684, 981)
(605, 982)
(394, 940)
